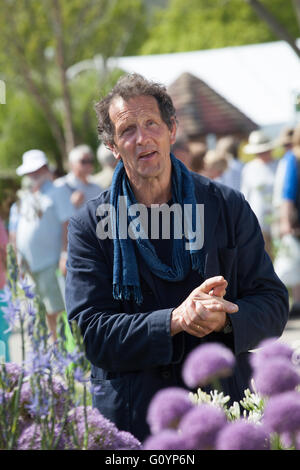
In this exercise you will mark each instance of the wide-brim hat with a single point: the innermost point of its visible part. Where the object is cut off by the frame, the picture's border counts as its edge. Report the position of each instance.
(258, 143)
(33, 160)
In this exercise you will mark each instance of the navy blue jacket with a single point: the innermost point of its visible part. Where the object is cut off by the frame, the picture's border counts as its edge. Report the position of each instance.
(130, 348)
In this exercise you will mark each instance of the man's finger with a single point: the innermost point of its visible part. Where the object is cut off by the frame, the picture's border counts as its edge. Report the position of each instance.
(219, 291)
(211, 283)
(216, 303)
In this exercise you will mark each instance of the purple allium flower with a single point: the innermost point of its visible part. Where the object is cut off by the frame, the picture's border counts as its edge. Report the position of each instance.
(277, 376)
(201, 425)
(282, 413)
(167, 407)
(207, 362)
(270, 348)
(243, 435)
(126, 441)
(168, 439)
(102, 433)
(31, 438)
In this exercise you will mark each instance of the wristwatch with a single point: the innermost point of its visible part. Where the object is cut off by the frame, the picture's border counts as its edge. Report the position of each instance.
(228, 326)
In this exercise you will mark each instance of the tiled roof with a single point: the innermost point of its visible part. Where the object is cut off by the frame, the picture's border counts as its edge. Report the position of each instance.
(201, 110)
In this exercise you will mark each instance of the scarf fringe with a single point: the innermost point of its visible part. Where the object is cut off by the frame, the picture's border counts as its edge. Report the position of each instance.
(197, 262)
(127, 292)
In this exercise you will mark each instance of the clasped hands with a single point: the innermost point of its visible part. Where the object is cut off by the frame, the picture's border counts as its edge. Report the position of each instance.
(204, 310)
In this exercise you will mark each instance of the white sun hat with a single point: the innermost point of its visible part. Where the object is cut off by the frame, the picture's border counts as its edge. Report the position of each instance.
(33, 160)
(258, 142)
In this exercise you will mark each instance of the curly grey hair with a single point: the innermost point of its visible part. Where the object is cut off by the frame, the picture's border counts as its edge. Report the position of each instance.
(130, 86)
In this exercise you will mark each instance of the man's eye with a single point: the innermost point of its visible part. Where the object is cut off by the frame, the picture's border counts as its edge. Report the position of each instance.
(127, 130)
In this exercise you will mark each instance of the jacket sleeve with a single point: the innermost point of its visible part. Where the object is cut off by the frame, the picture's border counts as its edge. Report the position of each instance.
(114, 340)
(261, 296)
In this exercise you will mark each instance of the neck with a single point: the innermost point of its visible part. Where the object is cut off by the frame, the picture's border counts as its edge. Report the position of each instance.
(80, 177)
(152, 193)
(154, 190)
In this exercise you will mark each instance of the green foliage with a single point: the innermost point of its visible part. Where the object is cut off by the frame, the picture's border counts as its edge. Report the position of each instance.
(22, 126)
(39, 42)
(86, 89)
(207, 24)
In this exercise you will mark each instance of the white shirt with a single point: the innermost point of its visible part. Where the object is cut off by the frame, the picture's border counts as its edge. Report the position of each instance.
(39, 228)
(257, 186)
(232, 176)
(90, 190)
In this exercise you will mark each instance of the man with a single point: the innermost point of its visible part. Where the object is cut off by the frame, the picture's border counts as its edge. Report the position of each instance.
(41, 231)
(229, 145)
(77, 181)
(108, 163)
(257, 182)
(143, 304)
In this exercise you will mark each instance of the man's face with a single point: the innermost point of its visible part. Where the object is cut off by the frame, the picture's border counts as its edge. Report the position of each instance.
(142, 139)
(84, 166)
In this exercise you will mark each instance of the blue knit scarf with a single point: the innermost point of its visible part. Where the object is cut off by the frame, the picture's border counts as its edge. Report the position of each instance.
(126, 283)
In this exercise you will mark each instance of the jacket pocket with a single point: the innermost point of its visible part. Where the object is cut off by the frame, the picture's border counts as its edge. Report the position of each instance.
(111, 398)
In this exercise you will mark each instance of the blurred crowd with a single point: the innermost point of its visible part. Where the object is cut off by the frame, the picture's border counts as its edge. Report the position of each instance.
(267, 172)
(38, 220)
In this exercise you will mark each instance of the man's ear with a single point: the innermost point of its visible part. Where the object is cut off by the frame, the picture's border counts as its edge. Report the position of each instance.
(173, 131)
(114, 151)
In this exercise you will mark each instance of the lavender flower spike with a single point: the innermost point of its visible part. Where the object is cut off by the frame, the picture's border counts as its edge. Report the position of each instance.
(277, 376)
(200, 426)
(167, 407)
(243, 435)
(282, 413)
(207, 362)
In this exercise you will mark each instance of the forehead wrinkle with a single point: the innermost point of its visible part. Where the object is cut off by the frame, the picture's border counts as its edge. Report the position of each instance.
(134, 109)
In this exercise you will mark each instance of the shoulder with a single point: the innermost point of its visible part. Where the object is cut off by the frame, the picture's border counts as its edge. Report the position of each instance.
(58, 182)
(218, 197)
(86, 216)
(212, 188)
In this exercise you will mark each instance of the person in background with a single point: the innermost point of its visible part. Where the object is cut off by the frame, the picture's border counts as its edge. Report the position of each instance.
(41, 232)
(290, 205)
(108, 163)
(229, 145)
(4, 334)
(284, 141)
(197, 153)
(14, 211)
(143, 303)
(181, 151)
(78, 180)
(257, 183)
(214, 164)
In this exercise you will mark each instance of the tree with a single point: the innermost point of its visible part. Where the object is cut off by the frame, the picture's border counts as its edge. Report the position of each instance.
(275, 25)
(208, 24)
(41, 40)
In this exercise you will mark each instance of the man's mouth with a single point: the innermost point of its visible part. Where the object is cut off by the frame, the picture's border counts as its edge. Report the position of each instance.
(147, 155)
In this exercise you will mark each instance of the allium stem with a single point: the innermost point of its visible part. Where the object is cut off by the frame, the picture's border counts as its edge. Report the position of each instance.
(216, 385)
(86, 431)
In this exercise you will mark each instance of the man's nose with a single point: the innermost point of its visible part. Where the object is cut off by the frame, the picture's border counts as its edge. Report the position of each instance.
(142, 135)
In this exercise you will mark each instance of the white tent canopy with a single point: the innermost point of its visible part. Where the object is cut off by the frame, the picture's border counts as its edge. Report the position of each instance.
(262, 80)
